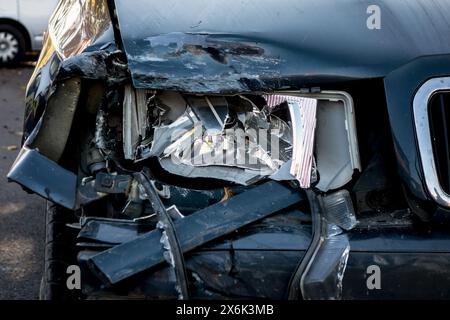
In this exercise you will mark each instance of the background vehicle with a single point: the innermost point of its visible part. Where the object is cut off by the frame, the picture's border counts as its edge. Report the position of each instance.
(22, 26)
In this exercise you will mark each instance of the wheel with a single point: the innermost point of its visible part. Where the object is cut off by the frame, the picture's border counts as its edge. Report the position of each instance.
(58, 254)
(12, 45)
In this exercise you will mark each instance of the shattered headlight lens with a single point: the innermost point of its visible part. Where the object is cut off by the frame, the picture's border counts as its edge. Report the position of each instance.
(77, 24)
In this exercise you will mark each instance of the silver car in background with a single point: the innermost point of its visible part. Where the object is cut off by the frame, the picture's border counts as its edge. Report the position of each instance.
(22, 25)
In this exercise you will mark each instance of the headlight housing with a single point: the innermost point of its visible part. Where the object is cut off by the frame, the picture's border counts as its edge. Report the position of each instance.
(77, 24)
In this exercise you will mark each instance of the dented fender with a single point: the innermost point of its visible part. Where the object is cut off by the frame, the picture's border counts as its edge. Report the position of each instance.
(266, 45)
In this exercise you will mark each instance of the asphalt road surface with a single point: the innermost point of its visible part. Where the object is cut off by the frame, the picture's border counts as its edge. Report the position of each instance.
(21, 215)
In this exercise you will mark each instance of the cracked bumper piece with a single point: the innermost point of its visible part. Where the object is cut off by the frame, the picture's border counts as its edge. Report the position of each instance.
(233, 266)
(41, 175)
(193, 231)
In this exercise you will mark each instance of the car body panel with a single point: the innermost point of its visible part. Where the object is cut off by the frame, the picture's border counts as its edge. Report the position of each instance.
(401, 86)
(258, 262)
(9, 9)
(268, 45)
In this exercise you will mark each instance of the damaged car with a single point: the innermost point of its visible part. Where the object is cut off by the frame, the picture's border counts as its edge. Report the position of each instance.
(242, 150)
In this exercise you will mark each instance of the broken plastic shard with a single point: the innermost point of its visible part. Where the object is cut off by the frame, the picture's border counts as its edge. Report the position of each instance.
(303, 117)
(164, 135)
(211, 111)
(325, 277)
(284, 173)
(303, 114)
(336, 142)
(340, 210)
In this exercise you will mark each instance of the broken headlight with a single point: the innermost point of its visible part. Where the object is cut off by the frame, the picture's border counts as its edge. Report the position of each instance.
(77, 24)
(244, 138)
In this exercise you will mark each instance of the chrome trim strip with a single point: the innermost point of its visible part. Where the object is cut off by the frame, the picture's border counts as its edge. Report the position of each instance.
(423, 133)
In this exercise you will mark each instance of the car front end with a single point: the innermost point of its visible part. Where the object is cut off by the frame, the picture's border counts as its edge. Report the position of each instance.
(243, 150)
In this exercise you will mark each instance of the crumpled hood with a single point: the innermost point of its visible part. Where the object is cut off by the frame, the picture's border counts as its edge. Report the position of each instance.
(238, 46)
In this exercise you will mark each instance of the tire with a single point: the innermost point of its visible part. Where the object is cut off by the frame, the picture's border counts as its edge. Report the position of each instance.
(12, 45)
(59, 254)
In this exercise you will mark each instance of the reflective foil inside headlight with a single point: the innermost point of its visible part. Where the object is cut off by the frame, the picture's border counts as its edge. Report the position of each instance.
(77, 24)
